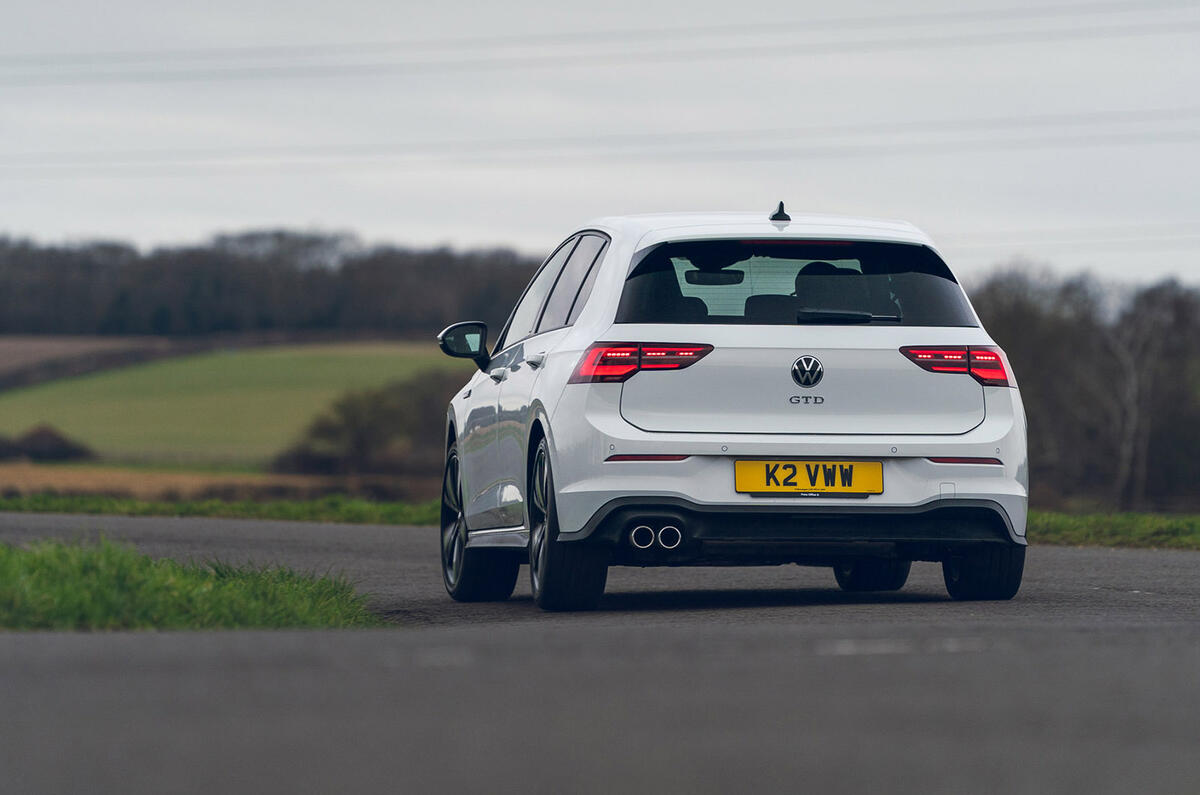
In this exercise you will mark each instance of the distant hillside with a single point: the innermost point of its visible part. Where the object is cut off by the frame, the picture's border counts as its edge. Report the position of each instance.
(228, 409)
(32, 359)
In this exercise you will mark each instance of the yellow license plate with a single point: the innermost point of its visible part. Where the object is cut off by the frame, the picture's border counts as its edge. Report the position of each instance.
(808, 477)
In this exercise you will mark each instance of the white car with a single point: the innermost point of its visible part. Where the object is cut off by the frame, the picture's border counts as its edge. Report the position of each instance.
(735, 389)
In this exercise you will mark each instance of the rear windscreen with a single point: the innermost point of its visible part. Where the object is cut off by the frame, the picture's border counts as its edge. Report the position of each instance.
(790, 282)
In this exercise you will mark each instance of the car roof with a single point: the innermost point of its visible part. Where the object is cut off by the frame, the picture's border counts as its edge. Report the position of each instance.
(657, 228)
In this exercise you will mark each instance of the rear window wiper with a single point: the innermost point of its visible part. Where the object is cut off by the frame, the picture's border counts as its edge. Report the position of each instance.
(842, 316)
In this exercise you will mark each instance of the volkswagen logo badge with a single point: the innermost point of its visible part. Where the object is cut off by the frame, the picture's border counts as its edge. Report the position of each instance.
(807, 371)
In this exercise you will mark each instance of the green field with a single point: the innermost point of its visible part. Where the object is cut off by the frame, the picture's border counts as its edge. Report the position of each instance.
(1145, 530)
(105, 586)
(233, 409)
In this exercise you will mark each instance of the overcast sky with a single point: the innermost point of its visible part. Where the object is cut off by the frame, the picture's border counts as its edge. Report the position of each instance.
(1004, 128)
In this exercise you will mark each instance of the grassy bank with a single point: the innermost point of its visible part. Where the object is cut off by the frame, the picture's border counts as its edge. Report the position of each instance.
(328, 509)
(51, 585)
(1151, 530)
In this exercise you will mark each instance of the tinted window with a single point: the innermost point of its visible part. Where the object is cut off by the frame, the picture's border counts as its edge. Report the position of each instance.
(586, 290)
(785, 282)
(562, 297)
(524, 318)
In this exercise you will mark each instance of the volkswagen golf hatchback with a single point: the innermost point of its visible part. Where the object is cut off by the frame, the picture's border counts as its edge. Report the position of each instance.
(734, 389)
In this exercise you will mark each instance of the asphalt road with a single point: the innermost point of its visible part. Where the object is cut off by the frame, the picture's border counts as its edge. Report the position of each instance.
(708, 680)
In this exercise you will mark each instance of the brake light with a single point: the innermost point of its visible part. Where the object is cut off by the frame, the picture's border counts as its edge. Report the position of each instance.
(606, 363)
(614, 362)
(797, 242)
(984, 363)
(987, 365)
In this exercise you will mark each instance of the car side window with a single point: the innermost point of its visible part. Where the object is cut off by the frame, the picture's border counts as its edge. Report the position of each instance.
(525, 316)
(562, 297)
(586, 290)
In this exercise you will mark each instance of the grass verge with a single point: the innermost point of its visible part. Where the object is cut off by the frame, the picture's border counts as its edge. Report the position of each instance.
(106, 586)
(1149, 530)
(349, 510)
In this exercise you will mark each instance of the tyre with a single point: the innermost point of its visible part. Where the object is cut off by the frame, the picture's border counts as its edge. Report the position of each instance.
(562, 575)
(470, 574)
(993, 572)
(872, 574)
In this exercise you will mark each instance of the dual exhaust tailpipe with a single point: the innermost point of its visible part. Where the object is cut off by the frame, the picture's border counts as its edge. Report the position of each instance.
(667, 537)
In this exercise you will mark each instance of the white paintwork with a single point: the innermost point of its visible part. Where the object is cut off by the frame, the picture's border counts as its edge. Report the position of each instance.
(734, 402)
(743, 386)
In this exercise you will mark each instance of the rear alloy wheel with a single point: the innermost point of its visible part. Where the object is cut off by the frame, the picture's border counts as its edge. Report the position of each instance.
(872, 574)
(993, 572)
(470, 574)
(563, 575)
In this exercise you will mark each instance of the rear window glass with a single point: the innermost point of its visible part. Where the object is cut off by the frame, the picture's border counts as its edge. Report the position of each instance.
(789, 282)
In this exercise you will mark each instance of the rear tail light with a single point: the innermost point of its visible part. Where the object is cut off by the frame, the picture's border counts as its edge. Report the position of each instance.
(987, 365)
(984, 363)
(606, 363)
(614, 362)
(939, 360)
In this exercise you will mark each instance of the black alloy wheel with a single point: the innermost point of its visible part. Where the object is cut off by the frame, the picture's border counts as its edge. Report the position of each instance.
(470, 574)
(564, 575)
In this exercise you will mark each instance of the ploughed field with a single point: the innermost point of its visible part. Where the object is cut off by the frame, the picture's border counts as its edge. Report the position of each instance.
(25, 353)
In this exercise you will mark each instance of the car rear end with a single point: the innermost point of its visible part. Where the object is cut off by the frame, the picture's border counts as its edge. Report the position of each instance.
(764, 399)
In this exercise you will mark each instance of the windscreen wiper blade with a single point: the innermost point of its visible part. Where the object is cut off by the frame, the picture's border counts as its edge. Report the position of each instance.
(842, 316)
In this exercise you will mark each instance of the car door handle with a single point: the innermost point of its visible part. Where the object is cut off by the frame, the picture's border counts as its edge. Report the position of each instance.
(498, 375)
(536, 360)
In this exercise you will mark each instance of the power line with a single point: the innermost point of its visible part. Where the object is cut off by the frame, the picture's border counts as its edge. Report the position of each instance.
(1086, 244)
(562, 60)
(1018, 13)
(676, 141)
(231, 167)
(1020, 240)
(1163, 229)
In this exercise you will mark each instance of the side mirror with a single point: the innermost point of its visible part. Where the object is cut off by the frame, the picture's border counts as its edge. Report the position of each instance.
(466, 341)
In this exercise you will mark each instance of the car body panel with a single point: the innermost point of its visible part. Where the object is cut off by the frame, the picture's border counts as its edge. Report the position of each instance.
(745, 384)
(942, 415)
(513, 422)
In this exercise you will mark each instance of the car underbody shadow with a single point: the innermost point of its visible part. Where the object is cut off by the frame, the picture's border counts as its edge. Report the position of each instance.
(710, 599)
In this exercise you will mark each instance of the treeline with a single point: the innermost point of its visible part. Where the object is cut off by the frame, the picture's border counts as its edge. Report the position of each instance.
(254, 282)
(1111, 383)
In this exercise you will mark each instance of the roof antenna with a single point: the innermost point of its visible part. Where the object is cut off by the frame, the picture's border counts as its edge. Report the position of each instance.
(780, 215)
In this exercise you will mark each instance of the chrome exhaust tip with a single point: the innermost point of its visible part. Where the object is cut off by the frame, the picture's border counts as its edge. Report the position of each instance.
(641, 537)
(670, 537)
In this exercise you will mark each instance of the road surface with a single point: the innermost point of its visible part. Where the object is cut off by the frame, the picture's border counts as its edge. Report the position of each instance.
(696, 681)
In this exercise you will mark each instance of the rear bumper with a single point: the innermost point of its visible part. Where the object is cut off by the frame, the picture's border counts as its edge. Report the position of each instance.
(817, 535)
(913, 482)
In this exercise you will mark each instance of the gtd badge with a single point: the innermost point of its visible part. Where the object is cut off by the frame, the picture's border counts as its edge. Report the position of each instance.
(807, 371)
